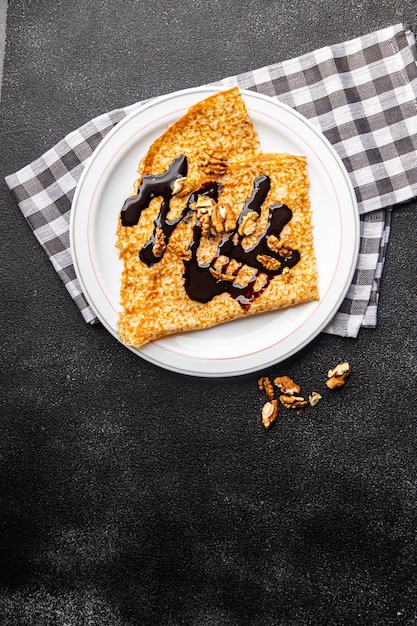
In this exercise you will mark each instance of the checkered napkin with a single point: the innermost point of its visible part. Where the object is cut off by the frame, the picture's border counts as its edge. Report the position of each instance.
(360, 94)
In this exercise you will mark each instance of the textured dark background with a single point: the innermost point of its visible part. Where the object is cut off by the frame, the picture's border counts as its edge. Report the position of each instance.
(130, 495)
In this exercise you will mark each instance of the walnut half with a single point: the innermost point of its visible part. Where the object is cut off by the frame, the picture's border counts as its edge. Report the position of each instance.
(159, 246)
(222, 219)
(268, 262)
(293, 402)
(248, 224)
(287, 386)
(337, 376)
(265, 384)
(314, 398)
(269, 413)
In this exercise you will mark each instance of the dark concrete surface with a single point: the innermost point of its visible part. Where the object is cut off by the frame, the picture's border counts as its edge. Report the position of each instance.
(131, 495)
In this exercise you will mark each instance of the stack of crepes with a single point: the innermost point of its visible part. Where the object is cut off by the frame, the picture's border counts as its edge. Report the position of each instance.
(215, 229)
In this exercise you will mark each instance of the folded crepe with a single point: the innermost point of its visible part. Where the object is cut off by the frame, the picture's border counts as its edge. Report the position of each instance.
(215, 229)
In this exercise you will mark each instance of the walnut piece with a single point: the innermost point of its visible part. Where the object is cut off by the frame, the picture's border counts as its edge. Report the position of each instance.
(229, 220)
(204, 204)
(343, 369)
(314, 398)
(293, 402)
(273, 243)
(221, 276)
(178, 185)
(268, 262)
(214, 218)
(334, 382)
(265, 384)
(286, 275)
(205, 224)
(269, 413)
(285, 253)
(222, 219)
(159, 246)
(337, 376)
(218, 216)
(287, 386)
(248, 224)
(204, 208)
(276, 245)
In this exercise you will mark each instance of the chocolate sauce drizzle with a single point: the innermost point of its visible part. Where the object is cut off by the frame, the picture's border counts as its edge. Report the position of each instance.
(202, 285)
(154, 187)
(201, 282)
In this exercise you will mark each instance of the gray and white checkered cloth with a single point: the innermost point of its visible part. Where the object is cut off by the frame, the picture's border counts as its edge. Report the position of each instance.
(360, 94)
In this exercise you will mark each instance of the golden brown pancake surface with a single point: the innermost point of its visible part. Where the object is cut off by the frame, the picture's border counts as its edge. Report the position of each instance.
(229, 235)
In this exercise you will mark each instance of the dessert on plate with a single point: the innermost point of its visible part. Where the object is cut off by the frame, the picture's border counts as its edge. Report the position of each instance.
(215, 229)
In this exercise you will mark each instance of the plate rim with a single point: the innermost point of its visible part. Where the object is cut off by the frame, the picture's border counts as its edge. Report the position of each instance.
(145, 351)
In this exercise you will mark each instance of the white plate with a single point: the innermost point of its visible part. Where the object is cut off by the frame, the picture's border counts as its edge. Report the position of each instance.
(241, 346)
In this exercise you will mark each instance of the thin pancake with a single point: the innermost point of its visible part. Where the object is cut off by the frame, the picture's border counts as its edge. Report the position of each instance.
(240, 244)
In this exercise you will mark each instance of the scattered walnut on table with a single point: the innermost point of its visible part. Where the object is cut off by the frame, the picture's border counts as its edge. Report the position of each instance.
(286, 385)
(337, 376)
(314, 398)
(293, 402)
(265, 384)
(269, 413)
(290, 398)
